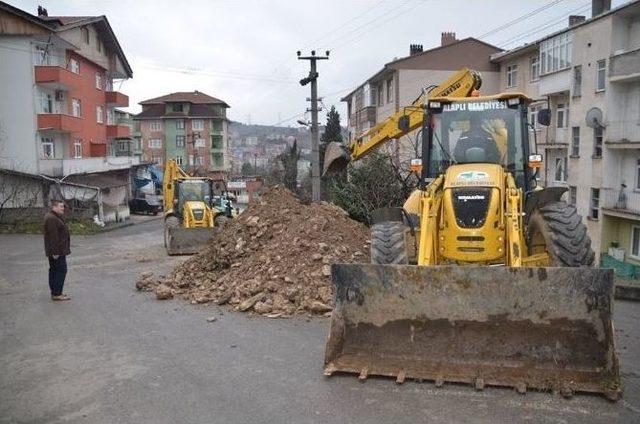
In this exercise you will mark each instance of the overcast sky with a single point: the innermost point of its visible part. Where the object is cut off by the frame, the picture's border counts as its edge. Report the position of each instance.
(244, 51)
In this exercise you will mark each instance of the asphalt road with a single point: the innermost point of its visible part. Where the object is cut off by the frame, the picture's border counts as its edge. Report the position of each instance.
(112, 355)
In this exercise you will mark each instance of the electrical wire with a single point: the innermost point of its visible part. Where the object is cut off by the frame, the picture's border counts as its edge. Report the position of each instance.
(518, 19)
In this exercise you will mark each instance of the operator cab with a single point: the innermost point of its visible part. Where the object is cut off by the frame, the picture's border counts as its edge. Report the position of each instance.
(488, 130)
(193, 191)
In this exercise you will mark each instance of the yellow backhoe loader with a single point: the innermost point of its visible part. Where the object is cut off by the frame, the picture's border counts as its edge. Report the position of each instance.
(189, 213)
(503, 291)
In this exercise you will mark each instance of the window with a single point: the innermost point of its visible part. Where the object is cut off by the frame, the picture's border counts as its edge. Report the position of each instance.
(76, 108)
(190, 160)
(197, 125)
(85, 34)
(217, 142)
(157, 160)
(155, 126)
(155, 143)
(179, 124)
(48, 149)
(601, 70)
(99, 114)
(561, 169)
(179, 141)
(597, 142)
(176, 107)
(99, 81)
(638, 174)
(99, 46)
(74, 66)
(562, 115)
(512, 75)
(199, 160)
(577, 81)
(46, 103)
(573, 193)
(390, 94)
(594, 203)
(380, 94)
(111, 117)
(179, 160)
(575, 141)
(198, 142)
(555, 53)
(77, 149)
(635, 242)
(216, 126)
(533, 117)
(217, 160)
(535, 68)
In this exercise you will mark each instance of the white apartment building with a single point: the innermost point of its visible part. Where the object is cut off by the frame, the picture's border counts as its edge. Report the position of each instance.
(592, 66)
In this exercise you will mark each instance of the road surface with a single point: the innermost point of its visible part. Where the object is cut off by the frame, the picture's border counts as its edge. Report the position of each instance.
(113, 355)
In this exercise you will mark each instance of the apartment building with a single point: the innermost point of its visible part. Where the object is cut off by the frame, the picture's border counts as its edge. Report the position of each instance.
(58, 100)
(401, 81)
(189, 127)
(590, 69)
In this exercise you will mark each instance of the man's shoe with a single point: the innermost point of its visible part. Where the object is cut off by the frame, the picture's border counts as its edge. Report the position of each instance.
(60, 297)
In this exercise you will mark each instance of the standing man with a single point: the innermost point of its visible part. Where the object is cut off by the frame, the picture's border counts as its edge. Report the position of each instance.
(57, 246)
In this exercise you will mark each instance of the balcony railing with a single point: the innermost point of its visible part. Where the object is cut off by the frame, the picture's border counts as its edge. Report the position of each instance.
(621, 134)
(625, 67)
(58, 122)
(118, 131)
(115, 98)
(98, 164)
(56, 77)
(615, 201)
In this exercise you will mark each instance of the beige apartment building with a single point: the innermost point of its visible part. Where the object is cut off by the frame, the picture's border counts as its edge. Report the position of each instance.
(590, 69)
(401, 81)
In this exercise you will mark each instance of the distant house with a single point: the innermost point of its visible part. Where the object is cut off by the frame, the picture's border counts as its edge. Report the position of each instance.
(189, 127)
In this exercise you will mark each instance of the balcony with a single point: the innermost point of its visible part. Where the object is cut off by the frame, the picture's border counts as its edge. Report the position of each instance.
(115, 98)
(364, 116)
(118, 131)
(625, 204)
(56, 77)
(101, 164)
(623, 135)
(625, 67)
(51, 167)
(558, 138)
(58, 122)
(554, 83)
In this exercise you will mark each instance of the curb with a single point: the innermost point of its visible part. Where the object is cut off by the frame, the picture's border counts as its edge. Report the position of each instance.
(623, 292)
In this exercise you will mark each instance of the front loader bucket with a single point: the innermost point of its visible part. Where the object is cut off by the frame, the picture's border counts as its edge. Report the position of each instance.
(540, 328)
(336, 158)
(187, 241)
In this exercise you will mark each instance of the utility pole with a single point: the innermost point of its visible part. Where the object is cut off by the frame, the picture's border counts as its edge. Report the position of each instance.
(315, 155)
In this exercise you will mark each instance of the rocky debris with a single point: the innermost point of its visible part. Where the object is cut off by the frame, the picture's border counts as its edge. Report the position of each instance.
(163, 292)
(274, 259)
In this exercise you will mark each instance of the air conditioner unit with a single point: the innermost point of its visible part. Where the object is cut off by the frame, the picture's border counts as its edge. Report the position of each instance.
(59, 95)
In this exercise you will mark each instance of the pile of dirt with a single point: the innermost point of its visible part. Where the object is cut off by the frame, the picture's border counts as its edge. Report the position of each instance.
(274, 260)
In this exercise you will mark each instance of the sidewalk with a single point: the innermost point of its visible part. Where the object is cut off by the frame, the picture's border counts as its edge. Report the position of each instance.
(627, 289)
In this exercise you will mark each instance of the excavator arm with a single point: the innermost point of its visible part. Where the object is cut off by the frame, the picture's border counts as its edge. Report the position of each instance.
(461, 84)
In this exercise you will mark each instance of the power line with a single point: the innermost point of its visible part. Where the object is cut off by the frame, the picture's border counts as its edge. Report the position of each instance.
(519, 19)
(554, 21)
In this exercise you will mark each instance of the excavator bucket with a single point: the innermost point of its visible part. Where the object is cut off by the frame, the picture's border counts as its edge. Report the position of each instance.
(186, 241)
(336, 158)
(548, 329)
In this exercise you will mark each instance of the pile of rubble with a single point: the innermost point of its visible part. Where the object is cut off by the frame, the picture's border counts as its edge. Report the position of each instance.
(274, 260)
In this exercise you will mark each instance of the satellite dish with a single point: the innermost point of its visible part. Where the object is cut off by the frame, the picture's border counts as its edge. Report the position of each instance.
(594, 117)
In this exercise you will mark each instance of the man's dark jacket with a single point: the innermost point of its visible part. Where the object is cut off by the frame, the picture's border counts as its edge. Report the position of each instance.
(56, 235)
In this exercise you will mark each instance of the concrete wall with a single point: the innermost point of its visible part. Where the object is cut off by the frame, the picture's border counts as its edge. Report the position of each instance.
(18, 144)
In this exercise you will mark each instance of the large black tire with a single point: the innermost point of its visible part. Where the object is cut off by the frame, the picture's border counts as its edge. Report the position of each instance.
(557, 229)
(388, 244)
(170, 221)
